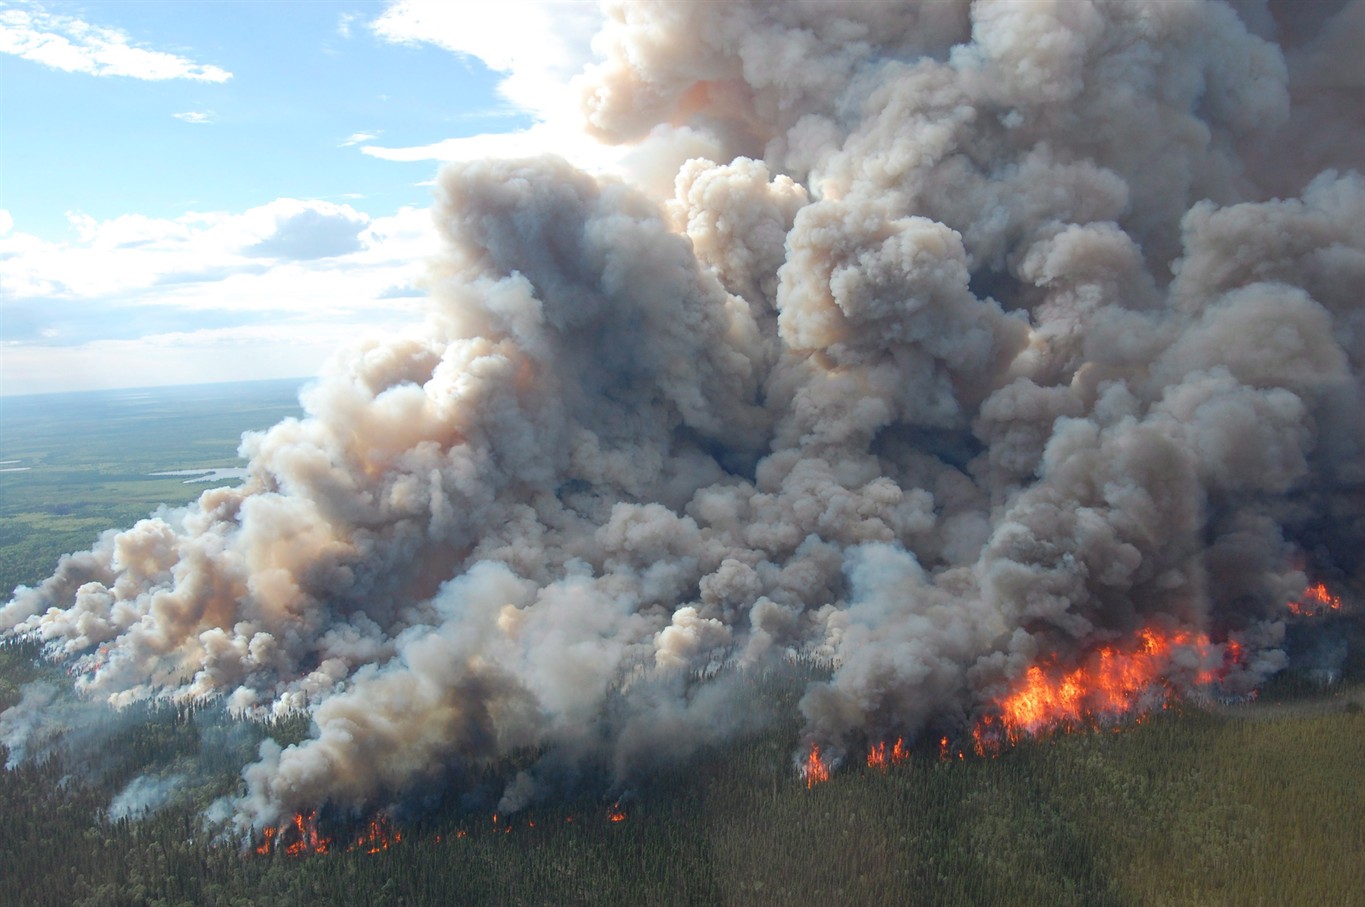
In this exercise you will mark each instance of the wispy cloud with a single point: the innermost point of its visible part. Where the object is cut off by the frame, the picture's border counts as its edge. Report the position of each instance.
(195, 116)
(74, 45)
(357, 138)
(344, 23)
(560, 138)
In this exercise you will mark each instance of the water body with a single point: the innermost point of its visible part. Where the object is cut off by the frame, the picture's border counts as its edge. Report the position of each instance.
(212, 474)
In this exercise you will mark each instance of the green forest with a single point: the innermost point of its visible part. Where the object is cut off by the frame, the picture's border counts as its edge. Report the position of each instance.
(1205, 803)
(1252, 804)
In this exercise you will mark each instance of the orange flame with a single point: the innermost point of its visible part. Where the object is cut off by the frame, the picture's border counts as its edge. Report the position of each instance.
(879, 758)
(615, 813)
(1315, 601)
(298, 837)
(379, 835)
(1110, 683)
(815, 770)
(309, 839)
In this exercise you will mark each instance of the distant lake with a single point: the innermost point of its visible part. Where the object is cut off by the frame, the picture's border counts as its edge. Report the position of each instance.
(204, 475)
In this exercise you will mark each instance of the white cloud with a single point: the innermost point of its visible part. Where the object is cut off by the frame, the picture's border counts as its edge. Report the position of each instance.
(357, 138)
(196, 357)
(132, 253)
(205, 297)
(344, 23)
(542, 138)
(538, 45)
(650, 164)
(74, 45)
(195, 116)
(304, 231)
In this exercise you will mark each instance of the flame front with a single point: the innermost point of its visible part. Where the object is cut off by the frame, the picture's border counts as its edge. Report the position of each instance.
(879, 757)
(298, 837)
(309, 839)
(814, 769)
(1315, 601)
(1111, 683)
(616, 813)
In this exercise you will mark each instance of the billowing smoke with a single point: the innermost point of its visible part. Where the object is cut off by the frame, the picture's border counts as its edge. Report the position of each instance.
(984, 333)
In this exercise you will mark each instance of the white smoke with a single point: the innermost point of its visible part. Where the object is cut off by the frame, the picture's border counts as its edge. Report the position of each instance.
(144, 794)
(983, 333)
(26, 728)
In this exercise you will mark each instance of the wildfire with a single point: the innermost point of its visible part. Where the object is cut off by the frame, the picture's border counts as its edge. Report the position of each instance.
(1112, 682)
(814, 769)
(298, 837)
(879, 757)
(301, 836)
(1315, 601)
(378, 836)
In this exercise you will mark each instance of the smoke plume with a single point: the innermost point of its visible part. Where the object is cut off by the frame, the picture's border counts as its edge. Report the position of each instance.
(984, 333)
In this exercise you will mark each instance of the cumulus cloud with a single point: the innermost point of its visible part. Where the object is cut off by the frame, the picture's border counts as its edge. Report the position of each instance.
(71, 44)
(196, 117)
(305, 231)
(935, 342)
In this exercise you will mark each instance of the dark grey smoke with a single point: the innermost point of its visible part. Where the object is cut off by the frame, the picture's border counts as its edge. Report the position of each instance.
(992, 332)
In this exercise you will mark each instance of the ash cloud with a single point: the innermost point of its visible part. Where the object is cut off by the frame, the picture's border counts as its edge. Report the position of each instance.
(984, 333)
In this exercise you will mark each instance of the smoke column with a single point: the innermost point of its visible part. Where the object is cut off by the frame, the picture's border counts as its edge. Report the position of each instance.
(981, 334)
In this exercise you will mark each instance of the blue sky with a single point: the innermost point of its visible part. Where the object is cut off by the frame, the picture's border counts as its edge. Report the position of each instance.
(219, 191)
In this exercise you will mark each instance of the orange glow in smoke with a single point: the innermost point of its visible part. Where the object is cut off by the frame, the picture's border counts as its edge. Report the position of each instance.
(814, 769)
(616, 813)
(1315, 601)
(1112, 682)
